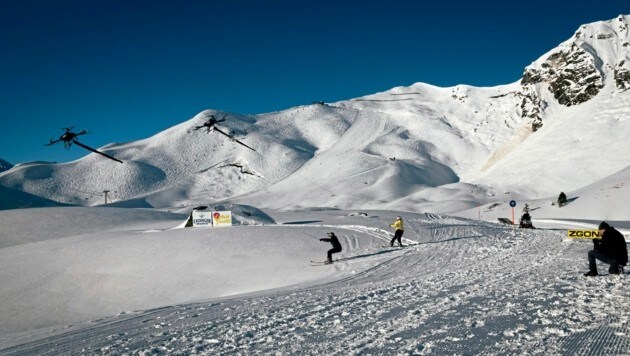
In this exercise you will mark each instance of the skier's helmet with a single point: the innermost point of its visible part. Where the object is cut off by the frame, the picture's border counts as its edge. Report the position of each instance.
(398, 218)
(331, 234)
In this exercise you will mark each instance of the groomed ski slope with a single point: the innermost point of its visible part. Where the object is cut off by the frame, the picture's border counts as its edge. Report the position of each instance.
(466, 287)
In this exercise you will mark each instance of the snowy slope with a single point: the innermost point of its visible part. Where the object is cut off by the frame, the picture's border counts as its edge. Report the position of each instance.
(560, 128)
(465, 287)
(605, 199)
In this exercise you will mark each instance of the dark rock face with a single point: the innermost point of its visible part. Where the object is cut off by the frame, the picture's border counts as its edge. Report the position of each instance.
(622, 75)
(571, 75)
(531, 107)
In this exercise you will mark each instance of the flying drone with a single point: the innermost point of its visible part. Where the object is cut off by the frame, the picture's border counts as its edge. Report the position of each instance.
(210, 125)
(69, 137)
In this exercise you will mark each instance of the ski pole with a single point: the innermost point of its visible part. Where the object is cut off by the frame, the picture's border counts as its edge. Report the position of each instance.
(305, 233)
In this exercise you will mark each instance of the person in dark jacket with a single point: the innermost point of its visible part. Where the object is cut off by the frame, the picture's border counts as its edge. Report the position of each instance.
(335, 243)
(611, 249)
(526, 221)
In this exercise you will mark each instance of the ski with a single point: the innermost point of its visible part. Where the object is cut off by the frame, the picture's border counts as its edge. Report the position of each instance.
(404, 246)
(324, 263)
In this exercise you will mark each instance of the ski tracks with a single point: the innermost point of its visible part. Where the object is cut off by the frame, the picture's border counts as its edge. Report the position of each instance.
(465, 288)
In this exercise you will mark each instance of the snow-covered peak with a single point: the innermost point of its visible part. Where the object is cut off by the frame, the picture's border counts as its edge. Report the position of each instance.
(4, 165)
(597, 56)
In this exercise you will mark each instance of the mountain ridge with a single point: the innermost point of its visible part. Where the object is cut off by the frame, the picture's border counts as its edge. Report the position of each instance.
(419, 147)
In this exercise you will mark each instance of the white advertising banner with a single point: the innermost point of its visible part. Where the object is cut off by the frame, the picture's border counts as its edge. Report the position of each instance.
(221, 218)
(202, 218)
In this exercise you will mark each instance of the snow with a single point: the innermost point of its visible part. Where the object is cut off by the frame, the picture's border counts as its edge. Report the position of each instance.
(463, 286)
(127, 278)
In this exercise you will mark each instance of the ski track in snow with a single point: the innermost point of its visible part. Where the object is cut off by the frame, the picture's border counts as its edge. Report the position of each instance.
(465, 288)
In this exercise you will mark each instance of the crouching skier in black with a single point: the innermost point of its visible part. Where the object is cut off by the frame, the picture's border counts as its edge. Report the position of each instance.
(336, 246)
(611, 249)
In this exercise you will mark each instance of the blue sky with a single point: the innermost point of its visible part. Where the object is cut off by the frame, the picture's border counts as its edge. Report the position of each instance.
(126, 70)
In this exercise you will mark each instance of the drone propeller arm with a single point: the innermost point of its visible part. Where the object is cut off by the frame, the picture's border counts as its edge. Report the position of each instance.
(222, 132)
(237, 141)
(233, 139)
(95, 151)
(51, 142)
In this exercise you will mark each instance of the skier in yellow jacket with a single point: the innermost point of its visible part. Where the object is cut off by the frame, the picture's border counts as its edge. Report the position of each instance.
(398, 226)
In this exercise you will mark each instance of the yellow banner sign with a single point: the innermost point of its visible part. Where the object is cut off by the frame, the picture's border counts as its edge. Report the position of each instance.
(583, 234)
(222, 218)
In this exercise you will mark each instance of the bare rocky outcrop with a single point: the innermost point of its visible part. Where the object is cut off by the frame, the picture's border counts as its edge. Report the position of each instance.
(622, 75)
(571, 75)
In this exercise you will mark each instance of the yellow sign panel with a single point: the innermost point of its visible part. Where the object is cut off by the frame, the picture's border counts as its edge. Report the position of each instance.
(222, 218)
(583, 234)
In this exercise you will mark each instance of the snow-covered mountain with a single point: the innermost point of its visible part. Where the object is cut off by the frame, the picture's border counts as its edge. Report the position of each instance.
(4, 165)
(16, 199)
(563, 126)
